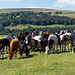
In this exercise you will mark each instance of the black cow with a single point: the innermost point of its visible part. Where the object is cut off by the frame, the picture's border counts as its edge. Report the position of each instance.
(5, 42)
(23, 47)
(73, 41)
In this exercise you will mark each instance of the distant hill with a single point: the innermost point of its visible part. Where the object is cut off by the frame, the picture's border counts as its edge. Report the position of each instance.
(69, 13)
(26, 9)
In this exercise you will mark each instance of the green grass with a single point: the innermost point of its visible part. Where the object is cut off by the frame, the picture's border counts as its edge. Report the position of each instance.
(3, 36)
(35, 26)
(17, 27)
(39, 64)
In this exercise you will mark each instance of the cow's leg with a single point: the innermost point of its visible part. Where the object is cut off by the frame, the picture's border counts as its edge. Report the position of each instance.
(73, 51)
(2, 52)
(62, 47)
(47, 49)
(3, 48)
(9, 48)
(53, 48)
(27, 51)
(15, 53)
(56, 48)
(6, 50)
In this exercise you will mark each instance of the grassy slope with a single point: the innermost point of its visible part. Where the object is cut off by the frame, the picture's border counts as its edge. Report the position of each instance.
(68, 13)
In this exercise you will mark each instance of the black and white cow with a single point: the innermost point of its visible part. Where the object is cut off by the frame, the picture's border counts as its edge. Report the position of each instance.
(52, 41)
(65, 39)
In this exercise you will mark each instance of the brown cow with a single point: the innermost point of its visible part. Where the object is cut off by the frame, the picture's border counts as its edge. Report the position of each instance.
(14, 45)
(1, 50)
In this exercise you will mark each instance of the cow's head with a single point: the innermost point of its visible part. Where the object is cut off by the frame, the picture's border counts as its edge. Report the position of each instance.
(64, 37)
(10, 55)
(28, 39)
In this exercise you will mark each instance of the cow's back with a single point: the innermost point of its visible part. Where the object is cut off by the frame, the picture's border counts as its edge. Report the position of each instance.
(14, 44)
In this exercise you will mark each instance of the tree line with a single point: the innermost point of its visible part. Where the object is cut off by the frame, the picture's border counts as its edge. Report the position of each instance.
(29, 17)
(7, 31)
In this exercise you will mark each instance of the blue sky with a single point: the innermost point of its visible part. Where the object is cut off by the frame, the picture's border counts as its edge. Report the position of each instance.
(50, 4)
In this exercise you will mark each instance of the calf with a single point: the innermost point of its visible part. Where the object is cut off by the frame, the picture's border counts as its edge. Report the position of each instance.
(14, 45)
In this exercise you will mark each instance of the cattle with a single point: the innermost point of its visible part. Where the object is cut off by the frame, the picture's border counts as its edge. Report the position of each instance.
(73, 41)
(52, 41)
(61, 32)
(14, 45)
(65, 40)
(1, 50)
(11, 37)
(23, 48)
(5, 42)
(40, 41)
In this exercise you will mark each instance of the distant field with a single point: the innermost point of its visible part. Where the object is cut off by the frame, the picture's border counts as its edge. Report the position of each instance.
(17, 27)
(26, 9)
(68, 15)
(3, 36)
(34, 26)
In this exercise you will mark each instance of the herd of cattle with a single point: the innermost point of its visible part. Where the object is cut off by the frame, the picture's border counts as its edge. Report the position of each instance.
(42, 41)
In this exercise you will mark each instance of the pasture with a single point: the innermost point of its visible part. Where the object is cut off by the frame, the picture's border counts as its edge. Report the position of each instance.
(61, 63)
(35, 26)
(39, 64)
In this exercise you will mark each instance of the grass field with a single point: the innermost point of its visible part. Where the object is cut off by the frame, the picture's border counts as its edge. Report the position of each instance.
(3, 36)
(39, 64)
(35, 26)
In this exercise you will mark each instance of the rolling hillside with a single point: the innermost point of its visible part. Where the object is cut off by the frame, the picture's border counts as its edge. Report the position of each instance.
(68, 13)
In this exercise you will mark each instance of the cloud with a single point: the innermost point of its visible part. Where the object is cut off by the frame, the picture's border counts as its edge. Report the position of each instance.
(39, 7)
(64, 3)
(9, 0)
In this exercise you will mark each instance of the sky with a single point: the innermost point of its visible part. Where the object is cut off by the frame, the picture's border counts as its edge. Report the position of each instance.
(49, 4)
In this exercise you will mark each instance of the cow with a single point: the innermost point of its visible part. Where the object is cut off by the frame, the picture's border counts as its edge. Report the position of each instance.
(65, 40)
(73, 41)
(52, 41)
(5, 42)
(14, 45)
(23, 47)
(1, 50)
(11, 37)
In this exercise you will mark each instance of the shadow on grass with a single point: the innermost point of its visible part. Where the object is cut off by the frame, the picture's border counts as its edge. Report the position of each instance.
(30, 56)
(3, 58)
(63, 52)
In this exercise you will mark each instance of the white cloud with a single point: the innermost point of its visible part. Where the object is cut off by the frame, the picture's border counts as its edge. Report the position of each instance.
(64, 3)
(9, 0)
(39, 7)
